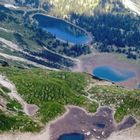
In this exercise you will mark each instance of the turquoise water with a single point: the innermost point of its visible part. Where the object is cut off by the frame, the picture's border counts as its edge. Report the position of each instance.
(61, 29)
(73, 136)
(113, 74)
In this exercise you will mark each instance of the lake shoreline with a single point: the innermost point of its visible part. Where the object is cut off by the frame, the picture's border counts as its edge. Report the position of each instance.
(88, 63)
(89, 36)
(46, 133)
(113, 74)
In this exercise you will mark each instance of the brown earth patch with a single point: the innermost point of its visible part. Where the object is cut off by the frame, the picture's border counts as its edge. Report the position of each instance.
(90, 62)
(99, 125)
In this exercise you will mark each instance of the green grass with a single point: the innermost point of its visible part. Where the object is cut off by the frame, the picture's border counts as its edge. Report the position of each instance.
(49, 90)
(4, 93)
(4, 89)
(7, 35)
(18, 26)
(53, 109)
(20, 123)
(14, 105)
(126, 102)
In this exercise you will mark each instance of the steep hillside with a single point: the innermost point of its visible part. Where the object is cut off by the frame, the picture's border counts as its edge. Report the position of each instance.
(65, 7)
(36, 82)
(113, 27)
(24, 44)
(133, 5)
(41, 96)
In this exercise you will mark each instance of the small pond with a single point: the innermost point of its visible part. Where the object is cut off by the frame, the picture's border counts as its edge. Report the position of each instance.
(112, 74)
(72, 136)
(101, 125)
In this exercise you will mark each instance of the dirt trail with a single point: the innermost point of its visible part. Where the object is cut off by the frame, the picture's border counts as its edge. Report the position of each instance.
(14, 95)
(44, 135)
(15, 47)
(10, 44)
(19, 59)
(92, 84)
(6, 30)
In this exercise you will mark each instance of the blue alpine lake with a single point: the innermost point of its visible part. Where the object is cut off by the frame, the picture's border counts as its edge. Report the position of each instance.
(61, 29)
(73, 136)
(112, 74)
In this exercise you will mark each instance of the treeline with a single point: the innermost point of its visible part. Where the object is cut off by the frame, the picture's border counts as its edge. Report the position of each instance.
(43, 38)
(30, 3)
(52, 59)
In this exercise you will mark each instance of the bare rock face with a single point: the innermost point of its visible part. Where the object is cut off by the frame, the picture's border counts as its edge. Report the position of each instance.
(29, 3)
(133, 5)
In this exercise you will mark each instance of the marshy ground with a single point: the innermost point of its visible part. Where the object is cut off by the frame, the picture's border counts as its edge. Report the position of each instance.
(99, 125)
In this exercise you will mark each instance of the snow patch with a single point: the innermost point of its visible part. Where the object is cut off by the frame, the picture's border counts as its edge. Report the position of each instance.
(132, 6)
(10, 6)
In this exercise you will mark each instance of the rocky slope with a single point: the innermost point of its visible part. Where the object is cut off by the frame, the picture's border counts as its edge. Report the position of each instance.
(65, 7)
(133, 5)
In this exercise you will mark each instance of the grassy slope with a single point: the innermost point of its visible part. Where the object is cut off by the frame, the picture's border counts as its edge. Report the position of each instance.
(12, 116)
(17, 25)
(51, 91)
(126, 102)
